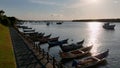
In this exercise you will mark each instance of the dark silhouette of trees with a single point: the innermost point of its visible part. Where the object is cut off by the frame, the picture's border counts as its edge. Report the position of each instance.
(13, 20)
(7, 21)
(1, 12)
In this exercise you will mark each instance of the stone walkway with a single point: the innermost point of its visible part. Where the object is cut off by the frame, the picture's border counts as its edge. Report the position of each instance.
(25, 57)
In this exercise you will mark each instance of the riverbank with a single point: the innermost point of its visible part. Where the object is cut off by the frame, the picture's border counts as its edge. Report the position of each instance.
(7, 59)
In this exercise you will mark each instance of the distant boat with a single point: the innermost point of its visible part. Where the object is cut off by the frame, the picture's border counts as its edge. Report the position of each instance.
(60, 22)
(48, 23)
(108, 26)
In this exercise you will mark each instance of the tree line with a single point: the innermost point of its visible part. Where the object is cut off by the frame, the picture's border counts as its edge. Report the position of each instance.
(7, 21)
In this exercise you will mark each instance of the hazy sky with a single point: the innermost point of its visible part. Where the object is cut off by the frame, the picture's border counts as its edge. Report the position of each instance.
(61, 9)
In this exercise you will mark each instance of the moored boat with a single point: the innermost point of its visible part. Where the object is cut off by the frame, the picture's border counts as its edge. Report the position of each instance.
(47, 36)
(73, 46)
(76, 53)
(28, 30)
(60, 22)
(48, 23)
(45, 40)
(52, 44)
(108, 26)
(53, 39)
(92, 60)
(20, 26)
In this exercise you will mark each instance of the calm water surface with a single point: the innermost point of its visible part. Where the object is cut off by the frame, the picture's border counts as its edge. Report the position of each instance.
(92, 32)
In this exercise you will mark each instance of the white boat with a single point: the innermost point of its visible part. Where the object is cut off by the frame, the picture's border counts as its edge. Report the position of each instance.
(108, 26)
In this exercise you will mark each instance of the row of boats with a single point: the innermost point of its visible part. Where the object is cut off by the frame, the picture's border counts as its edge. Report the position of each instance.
(69, 52)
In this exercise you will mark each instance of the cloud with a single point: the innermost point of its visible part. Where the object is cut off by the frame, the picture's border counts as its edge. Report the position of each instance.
(79, 3)
(56, 15)
(45, 2)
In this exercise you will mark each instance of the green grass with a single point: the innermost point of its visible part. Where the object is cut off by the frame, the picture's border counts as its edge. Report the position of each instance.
(7, 59)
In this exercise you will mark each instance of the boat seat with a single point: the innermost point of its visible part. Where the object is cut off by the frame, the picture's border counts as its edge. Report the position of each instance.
(95, 58)
(81, 51)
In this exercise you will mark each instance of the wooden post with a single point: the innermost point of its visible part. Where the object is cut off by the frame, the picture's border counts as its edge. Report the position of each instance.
(33, 45)
(47, 57)
(60, 65)
(54, 62)
(43, 54)
(39, 49)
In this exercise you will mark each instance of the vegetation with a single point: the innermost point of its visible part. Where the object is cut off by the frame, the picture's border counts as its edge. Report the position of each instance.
(7, 59)
(7, 21)
(99, 20)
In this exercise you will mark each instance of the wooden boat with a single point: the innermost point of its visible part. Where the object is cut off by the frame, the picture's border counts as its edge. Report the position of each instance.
(92, 60)
(76, 53)
(73, 46)
(108, 26)
(45, 40)
(28, 30)
(47, 36)
(33, 35)
(20, 26)
(52, 44)
(53, 39)
(39, 35)
(36, 34)
(30, 33)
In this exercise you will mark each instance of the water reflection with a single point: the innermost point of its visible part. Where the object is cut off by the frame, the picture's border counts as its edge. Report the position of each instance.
(94, 33)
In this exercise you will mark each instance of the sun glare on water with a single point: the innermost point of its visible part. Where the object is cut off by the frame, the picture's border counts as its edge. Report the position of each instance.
(94, 33)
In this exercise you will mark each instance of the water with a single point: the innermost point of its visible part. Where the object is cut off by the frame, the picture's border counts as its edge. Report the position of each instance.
(92, 32)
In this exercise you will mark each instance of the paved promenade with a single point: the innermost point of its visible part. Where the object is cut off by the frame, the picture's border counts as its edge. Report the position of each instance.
(25, 57)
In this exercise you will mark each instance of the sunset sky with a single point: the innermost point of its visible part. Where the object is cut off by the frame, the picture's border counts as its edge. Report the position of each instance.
(61, 9)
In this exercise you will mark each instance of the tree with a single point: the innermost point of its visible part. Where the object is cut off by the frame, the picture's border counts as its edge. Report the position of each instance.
(13, 20)
(7, 21)
(1, 12)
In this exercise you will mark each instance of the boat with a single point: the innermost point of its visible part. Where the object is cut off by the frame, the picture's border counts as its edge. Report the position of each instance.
(40, 35)
(48, 23)
(52, 44)
(45, 40)
(92, 60)
(73, 46)
(60, 22)
(47, 36)
(36, 34)
(28, 30)
(76, 53)
(30, 33)
(108, 26)
(21, 26)
(53, 39)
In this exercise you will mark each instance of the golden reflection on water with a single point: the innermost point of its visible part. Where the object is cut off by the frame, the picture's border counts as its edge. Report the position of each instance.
(94, 31)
